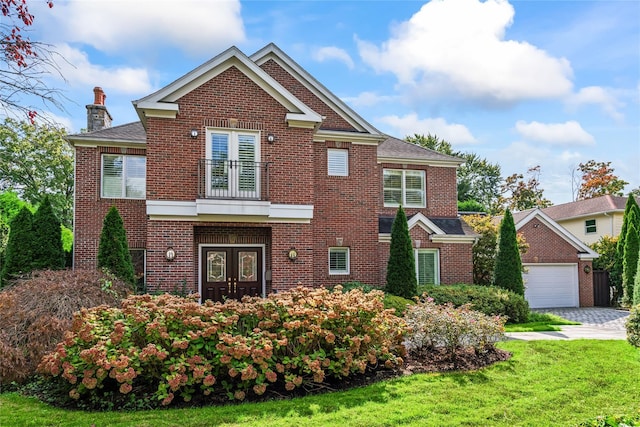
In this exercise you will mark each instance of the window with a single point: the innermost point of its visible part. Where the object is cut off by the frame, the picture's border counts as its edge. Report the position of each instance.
(232, 166)
(404, 187)
(427, 266)
(337, 162)
(338, 260)
(590, 226)
(123, 176)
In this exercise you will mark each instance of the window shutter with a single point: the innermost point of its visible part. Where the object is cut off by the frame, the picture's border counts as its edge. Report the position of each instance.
(112, 168)
(338, 162)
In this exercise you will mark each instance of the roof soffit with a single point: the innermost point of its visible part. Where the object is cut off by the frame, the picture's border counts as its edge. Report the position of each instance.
(273, 52)
(163, 102)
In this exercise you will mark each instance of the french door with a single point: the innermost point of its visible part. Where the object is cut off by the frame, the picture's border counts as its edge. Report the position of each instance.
(231, 272)
(233, 164)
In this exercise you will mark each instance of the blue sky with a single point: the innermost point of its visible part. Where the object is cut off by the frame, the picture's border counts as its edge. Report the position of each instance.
(525, 83)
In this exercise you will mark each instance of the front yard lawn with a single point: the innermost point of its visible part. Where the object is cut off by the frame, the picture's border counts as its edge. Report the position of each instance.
(539, 322)
(546, 383)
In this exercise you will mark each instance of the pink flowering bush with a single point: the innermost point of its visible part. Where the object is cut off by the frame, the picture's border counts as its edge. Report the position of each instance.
(168, 346)
(432, 326)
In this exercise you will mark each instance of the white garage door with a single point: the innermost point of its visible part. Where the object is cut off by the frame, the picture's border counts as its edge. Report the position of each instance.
(549, 286)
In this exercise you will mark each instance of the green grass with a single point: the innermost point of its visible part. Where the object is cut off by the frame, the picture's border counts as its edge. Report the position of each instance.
(539, 322)
(546, 383)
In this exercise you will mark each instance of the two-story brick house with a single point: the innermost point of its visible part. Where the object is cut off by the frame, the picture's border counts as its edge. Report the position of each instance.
(247, 176)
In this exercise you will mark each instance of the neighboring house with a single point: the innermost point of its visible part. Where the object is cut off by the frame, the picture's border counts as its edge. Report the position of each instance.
(590, 219)
(247, 176)
(558, 264)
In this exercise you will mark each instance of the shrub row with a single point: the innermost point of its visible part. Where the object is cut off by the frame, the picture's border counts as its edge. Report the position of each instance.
(35, 313)
(489, 300)
(432, 326)
(167, 346)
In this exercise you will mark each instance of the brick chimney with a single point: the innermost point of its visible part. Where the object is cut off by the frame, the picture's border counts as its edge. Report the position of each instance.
(97, 115)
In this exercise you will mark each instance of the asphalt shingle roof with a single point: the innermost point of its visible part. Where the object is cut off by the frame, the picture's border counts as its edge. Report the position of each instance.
(399, 149)
(133, 132)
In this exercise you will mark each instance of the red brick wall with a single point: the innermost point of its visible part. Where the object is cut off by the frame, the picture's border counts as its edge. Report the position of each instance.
(456, 259)
(442, 192)
(91, 208)
(344, 208)
(332, 120)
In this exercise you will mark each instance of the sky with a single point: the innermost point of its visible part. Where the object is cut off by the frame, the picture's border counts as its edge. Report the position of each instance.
(521, 84)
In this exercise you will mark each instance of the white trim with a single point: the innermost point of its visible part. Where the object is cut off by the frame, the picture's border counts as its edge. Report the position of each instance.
(416, 251)
(404, 161)
(323, 135)
(586, 252)
(424, 223)
(228, 210)
(272, 52)
(453, 238)
(343, 249)
(95, 143)
(166, 98)
(245, 245)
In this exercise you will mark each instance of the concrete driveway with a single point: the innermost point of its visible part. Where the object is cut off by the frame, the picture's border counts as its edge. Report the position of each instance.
(597, 323)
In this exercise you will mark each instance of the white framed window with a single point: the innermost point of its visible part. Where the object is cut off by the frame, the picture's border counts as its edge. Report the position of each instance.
(338, 260)
(232, 163)
(337, 162)
(404, 187)
(590, 226)
(124, 177)
(427, 266)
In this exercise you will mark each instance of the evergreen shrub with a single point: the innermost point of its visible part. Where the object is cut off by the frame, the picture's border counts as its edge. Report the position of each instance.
(401, 268)
(113, 251)
(490, 300)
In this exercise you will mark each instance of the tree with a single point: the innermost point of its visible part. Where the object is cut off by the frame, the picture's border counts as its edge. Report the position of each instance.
(631, 215)
(47, 235)
(636, 285)
(508, 269)
(432, 142)
(19, 253)
(113, 251)
(401, 268)
(524, 195)
(606, 246)
(486, 247)
(24, 62)
(477, 178)
(598, 180)
(36, 161)
(630, 263)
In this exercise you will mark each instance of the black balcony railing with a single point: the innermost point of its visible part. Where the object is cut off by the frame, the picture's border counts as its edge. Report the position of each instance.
(233, 179)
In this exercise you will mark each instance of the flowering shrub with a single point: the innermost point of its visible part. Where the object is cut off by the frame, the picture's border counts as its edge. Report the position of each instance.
(170, 346)
(633, 326)
(433, 326)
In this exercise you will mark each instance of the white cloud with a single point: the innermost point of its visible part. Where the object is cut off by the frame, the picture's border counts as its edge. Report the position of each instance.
(456, 134)
(568, 133)
(110, 26)
(328, 53)
(368, 99)
(457, 47)
(597, 95)
(79, 71)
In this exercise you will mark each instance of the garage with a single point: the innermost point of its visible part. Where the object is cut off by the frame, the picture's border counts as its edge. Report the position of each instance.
(551, 285)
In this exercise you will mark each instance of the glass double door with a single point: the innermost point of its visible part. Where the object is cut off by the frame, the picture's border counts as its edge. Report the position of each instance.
(231, 272)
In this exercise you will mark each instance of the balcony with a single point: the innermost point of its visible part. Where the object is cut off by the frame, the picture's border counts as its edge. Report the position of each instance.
(233, 180)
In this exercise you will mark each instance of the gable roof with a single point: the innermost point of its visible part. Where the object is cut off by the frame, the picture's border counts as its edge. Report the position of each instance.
(584, 251)
(127, 134)
(163, 103)
(587, 207)
(439, 229)
(394, 150)
(274, 53)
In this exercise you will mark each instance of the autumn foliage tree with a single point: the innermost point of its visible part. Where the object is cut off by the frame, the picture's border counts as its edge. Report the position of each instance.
(598, 180)
(521, 194)
(23, 62)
